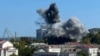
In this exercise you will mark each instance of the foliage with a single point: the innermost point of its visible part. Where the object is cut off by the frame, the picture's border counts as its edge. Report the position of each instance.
(87, 39)
(82, 53)
(91, 38)
(24, 50)
(13, 54)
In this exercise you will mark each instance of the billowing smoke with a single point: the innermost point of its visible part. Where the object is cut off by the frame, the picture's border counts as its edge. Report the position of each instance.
(72, 28)
(56, 29)
(50, 15)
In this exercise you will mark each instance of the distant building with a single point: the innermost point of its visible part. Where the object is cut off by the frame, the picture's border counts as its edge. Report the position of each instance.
(7, 49)
(37, 45)
(67, 49)
(40, 33)
(57, 50)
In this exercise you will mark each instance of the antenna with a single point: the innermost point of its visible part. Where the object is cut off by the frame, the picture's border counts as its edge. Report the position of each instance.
(15, 36)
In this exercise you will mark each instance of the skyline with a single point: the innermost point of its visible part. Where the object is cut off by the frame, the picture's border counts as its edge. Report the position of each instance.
(20, 15)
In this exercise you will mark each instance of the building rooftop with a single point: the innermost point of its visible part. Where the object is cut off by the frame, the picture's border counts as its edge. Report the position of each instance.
(2, 41)
(89, 46)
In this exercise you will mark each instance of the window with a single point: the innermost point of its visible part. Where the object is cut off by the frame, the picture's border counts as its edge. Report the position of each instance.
(74, 49)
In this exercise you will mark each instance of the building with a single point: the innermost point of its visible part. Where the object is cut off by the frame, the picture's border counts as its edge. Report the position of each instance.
(57, 50)
(7, 49)
(40, 33)
(37, 45)
(67, 49)
(90, 49)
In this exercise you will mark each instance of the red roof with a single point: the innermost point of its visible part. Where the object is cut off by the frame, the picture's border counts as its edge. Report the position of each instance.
(2, 41)
(88, 46)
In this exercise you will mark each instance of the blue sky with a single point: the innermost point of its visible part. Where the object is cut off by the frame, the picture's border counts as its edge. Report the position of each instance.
(19, 15)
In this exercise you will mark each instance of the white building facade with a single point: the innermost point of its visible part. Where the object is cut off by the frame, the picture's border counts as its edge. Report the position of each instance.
(7, 49)
(93, 51)
(56, 50)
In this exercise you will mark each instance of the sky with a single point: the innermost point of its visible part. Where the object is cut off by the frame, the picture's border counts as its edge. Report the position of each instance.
(20, 15)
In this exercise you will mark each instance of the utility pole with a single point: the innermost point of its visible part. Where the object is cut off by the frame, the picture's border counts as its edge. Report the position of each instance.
(15, 36)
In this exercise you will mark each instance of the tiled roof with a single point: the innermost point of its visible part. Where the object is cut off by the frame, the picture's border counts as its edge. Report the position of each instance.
(2, 41)
(88, 46)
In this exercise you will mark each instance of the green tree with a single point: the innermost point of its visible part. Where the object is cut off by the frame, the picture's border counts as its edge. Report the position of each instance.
(91, 38)
(86, 40)
(96, 39)
(24, 50)
(82, 53)
(13, 54)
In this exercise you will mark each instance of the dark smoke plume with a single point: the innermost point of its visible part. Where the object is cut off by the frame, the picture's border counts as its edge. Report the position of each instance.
(72, 28)
(51, 14)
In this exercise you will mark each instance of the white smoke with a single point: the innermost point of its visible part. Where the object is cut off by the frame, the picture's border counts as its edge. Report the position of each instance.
(72, 28)
(57, 30)
(75, 29)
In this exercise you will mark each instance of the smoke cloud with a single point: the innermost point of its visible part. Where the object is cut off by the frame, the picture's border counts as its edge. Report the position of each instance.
(51, 14)
(72, 28)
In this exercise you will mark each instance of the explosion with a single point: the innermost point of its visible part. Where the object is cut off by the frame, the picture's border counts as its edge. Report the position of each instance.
(72, 28)
(50, 15)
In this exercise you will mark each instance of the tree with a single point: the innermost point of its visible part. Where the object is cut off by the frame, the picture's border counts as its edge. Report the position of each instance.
(91, 38)
(24, 50)
(82, 53)
(13, 54)
(86, 40)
